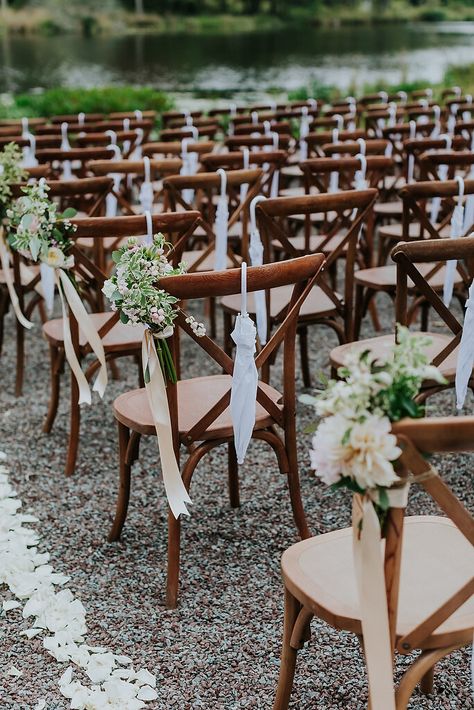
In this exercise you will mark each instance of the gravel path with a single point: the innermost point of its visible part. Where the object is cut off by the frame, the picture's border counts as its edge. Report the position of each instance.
(220, 649)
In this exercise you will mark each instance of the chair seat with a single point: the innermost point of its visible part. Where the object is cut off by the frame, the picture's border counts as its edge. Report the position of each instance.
(195, 398)
(384, 278)
(394, 232)
(121, 337)
(314, 243)
(436, 561)
(191, 257)
(389, 209)
(382, 345)
(317, 304)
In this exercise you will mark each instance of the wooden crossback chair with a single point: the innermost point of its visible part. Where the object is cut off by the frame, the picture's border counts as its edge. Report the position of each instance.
(206, 186)
(373, 146)
(280, 127)
(119, 340)
(136, 169)
(458, 162)
(127, 141)
(414, 292)
(347, 214)
(199, 407)
(417, 224)
(168, 116)
(270, 161)
(208, 131)
(257, 142)
(78, 157)
(87, 195)
(429, 562)
(317, 139)
(173, 149)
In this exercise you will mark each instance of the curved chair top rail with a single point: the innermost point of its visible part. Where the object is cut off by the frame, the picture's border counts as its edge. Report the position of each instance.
(435, 188)
(130, 225)
(413, 144)
(235, 159)
(372, 145)
(176, 148)
(422, 250)
(327, 165)
(226, 283)
(213, 180)
(67, 188)
(165, 166)
(447, 157)
(325, 202)
(438, 434)
(83, 154)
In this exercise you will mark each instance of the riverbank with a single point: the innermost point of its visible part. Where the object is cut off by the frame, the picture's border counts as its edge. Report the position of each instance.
(71, 18)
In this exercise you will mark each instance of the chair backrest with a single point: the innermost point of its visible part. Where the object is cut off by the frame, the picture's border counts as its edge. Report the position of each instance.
(317, 171)
(373, 146)
(458, 162)
(168, 116)
(270, 161)
(415, 147)
(408, 257)
(209, 130)
(419, 438)
(256, 142)
(317, 139)
(280, 127)
(79, 157)
(86, 195)
(205, 188)
(166, 149)
(345, 214)
(303, 274)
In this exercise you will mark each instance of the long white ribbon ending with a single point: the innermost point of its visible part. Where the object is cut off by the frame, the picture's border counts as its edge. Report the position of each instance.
(221, 224)
(65, 146)
(243, 398)
(189, 167)
(256, 258)
(5, 262)
(68, 292)
(457, 224)
(146, 196)
(465, 361)
(370, 577)
(48, 285)
(155, 387)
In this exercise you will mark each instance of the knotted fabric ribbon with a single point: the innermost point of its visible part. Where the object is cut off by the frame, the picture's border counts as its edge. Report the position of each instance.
(146, 190)
(68, 294)
(155, 387)
(369, 573)
(465, 361)
(221, 225)
(5, 262)
(256, 258)
(110, 198)
(65, 146)
(457, 223)
(189, 167)
(243, 397)
(304, 130)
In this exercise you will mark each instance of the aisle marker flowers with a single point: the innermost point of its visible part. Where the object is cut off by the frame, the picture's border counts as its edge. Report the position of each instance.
(132, 291)
(38, 232)
(61, 618)
(353, 448)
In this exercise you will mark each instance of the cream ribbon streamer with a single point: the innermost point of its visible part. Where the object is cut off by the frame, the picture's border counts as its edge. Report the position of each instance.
(256, 257)
(411, 157)
(146, 196)
(189, 167)
(65, 146)
(442, 175)
(175, 489)
(304, 130)
(111, 202)
(68, 292)
(221, 225)
(457, 223)
(369, 572)
(243, 397)
(465, 361)
(245, 165)
(334, 176)
(5, 261)
(48, 284)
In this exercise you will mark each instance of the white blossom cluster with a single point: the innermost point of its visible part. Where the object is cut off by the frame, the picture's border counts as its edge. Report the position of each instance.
(11, 171)
(353, 442)
(114, 684)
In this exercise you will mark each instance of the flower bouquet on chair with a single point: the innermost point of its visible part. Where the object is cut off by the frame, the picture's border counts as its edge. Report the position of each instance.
(38, 232)
(353, 448)
(133, 293)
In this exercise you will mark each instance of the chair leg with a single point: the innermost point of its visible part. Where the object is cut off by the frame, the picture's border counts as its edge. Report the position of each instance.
(233, 466)
(56, 358)
(426, 683)
(425, 316)
(20, 359)
(174, 545)
(74, 426)
(124, 488)
(114, 370)
(294, 485)
(305, 371)
(288, 654)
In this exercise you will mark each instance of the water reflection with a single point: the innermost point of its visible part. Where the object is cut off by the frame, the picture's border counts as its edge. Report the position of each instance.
(343, 56)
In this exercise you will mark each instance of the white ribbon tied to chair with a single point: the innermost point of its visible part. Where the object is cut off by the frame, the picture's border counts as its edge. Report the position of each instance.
(469, 208)
(411, 157)
(189, 167)
(369, 573)
(465, 361)
(65, 146)
(442, 175)
(221, 225)
(244, 188)
(256, 258)
(5, 262)
(457, 224)
(148, 239)
(111, 202)
(275, 186)
(304, 130)
(243, 397)
(29, 153)
(155, 387)
(68, 293)
(146, 195)
(334, 176)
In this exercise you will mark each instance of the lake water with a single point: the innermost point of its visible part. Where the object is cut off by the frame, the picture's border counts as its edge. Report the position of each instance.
(240, 62)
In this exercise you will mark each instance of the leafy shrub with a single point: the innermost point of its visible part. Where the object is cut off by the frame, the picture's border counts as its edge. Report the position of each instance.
(98, 100)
